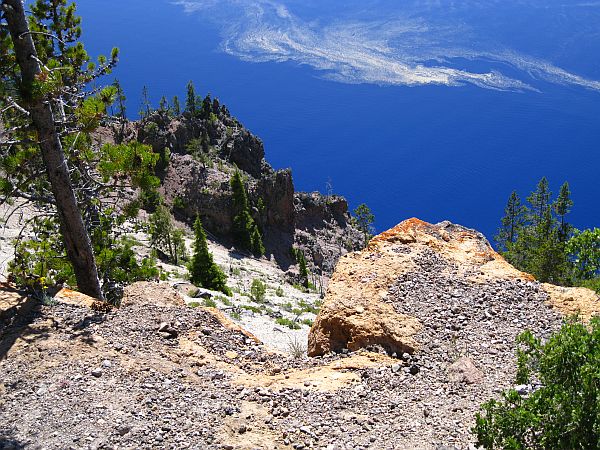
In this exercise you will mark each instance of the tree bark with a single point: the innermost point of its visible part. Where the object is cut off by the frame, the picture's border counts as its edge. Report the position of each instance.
(76, 238)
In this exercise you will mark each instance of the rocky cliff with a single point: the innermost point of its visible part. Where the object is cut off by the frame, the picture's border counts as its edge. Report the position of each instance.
(199, 156)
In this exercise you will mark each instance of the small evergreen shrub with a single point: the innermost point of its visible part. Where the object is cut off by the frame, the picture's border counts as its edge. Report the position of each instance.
(204, 272)
(564, 411)
(209, 303)
(258, 290)
(288, 323)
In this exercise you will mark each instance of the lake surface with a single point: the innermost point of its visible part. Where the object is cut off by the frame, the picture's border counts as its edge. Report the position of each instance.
(427, 109)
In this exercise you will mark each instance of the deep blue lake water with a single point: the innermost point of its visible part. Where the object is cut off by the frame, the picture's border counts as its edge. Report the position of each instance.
(385, 101)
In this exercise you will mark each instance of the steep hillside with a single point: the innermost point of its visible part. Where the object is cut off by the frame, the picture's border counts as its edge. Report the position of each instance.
(198, 157)
(415, 333)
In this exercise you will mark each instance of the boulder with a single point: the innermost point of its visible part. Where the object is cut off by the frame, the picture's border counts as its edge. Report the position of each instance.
(463, 370)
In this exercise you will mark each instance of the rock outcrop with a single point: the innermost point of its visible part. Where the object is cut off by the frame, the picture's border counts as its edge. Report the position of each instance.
(374, 295)
(198, 156)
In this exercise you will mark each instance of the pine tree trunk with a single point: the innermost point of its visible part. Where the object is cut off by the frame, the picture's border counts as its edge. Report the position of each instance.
(75, 236)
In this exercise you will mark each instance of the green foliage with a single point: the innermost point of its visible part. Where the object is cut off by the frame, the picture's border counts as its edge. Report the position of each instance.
(43, 257)
(132, 161)
(288, 323)
(175, 106)
(192, 102)
(203, 270)
(258, 289)
(179, 203)
(163, 105)
(209, 303)
(363, 219)
(307, 307)
(179, 250)
(165, 237)
(68, 82)
(564, 411)
(512, 222)
(161, 228)
(300, 258)
(120, 112)
(245, 231)
(533, 238)
(150, 199)
(584, 248)
(279, 291)
(146, 105)
(254, 309)
(224, 300)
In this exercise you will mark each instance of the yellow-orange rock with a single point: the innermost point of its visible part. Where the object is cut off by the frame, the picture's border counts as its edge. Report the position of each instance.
(355, 312)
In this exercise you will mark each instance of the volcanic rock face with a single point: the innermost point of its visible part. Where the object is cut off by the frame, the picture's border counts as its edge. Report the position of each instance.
(419, 284)
(203, 153)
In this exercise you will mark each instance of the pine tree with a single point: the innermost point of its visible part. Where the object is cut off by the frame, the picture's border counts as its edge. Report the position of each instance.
(121, 112)
(146, 105)
(175, 107)
(48, 106)
(48, 97)
(191, 101)
(303, 269)
(163, 105)
(364, 218)
(512, 222)
(204, 272)
(533, 239)
(206, 108)
(539, 201)
(562, 207)
(161, 230)
(246, 234)
(257, 244)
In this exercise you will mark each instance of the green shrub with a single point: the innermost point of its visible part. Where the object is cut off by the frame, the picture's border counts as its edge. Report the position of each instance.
(564, 411)
(593, 284)
(258, 290)
(179, 203)
(307, 307)
(43, 257)
(254, 309)
(287, 307)
(209, 303)
(288, 323)
(279, 292)
(224, 300)
(308, 322)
